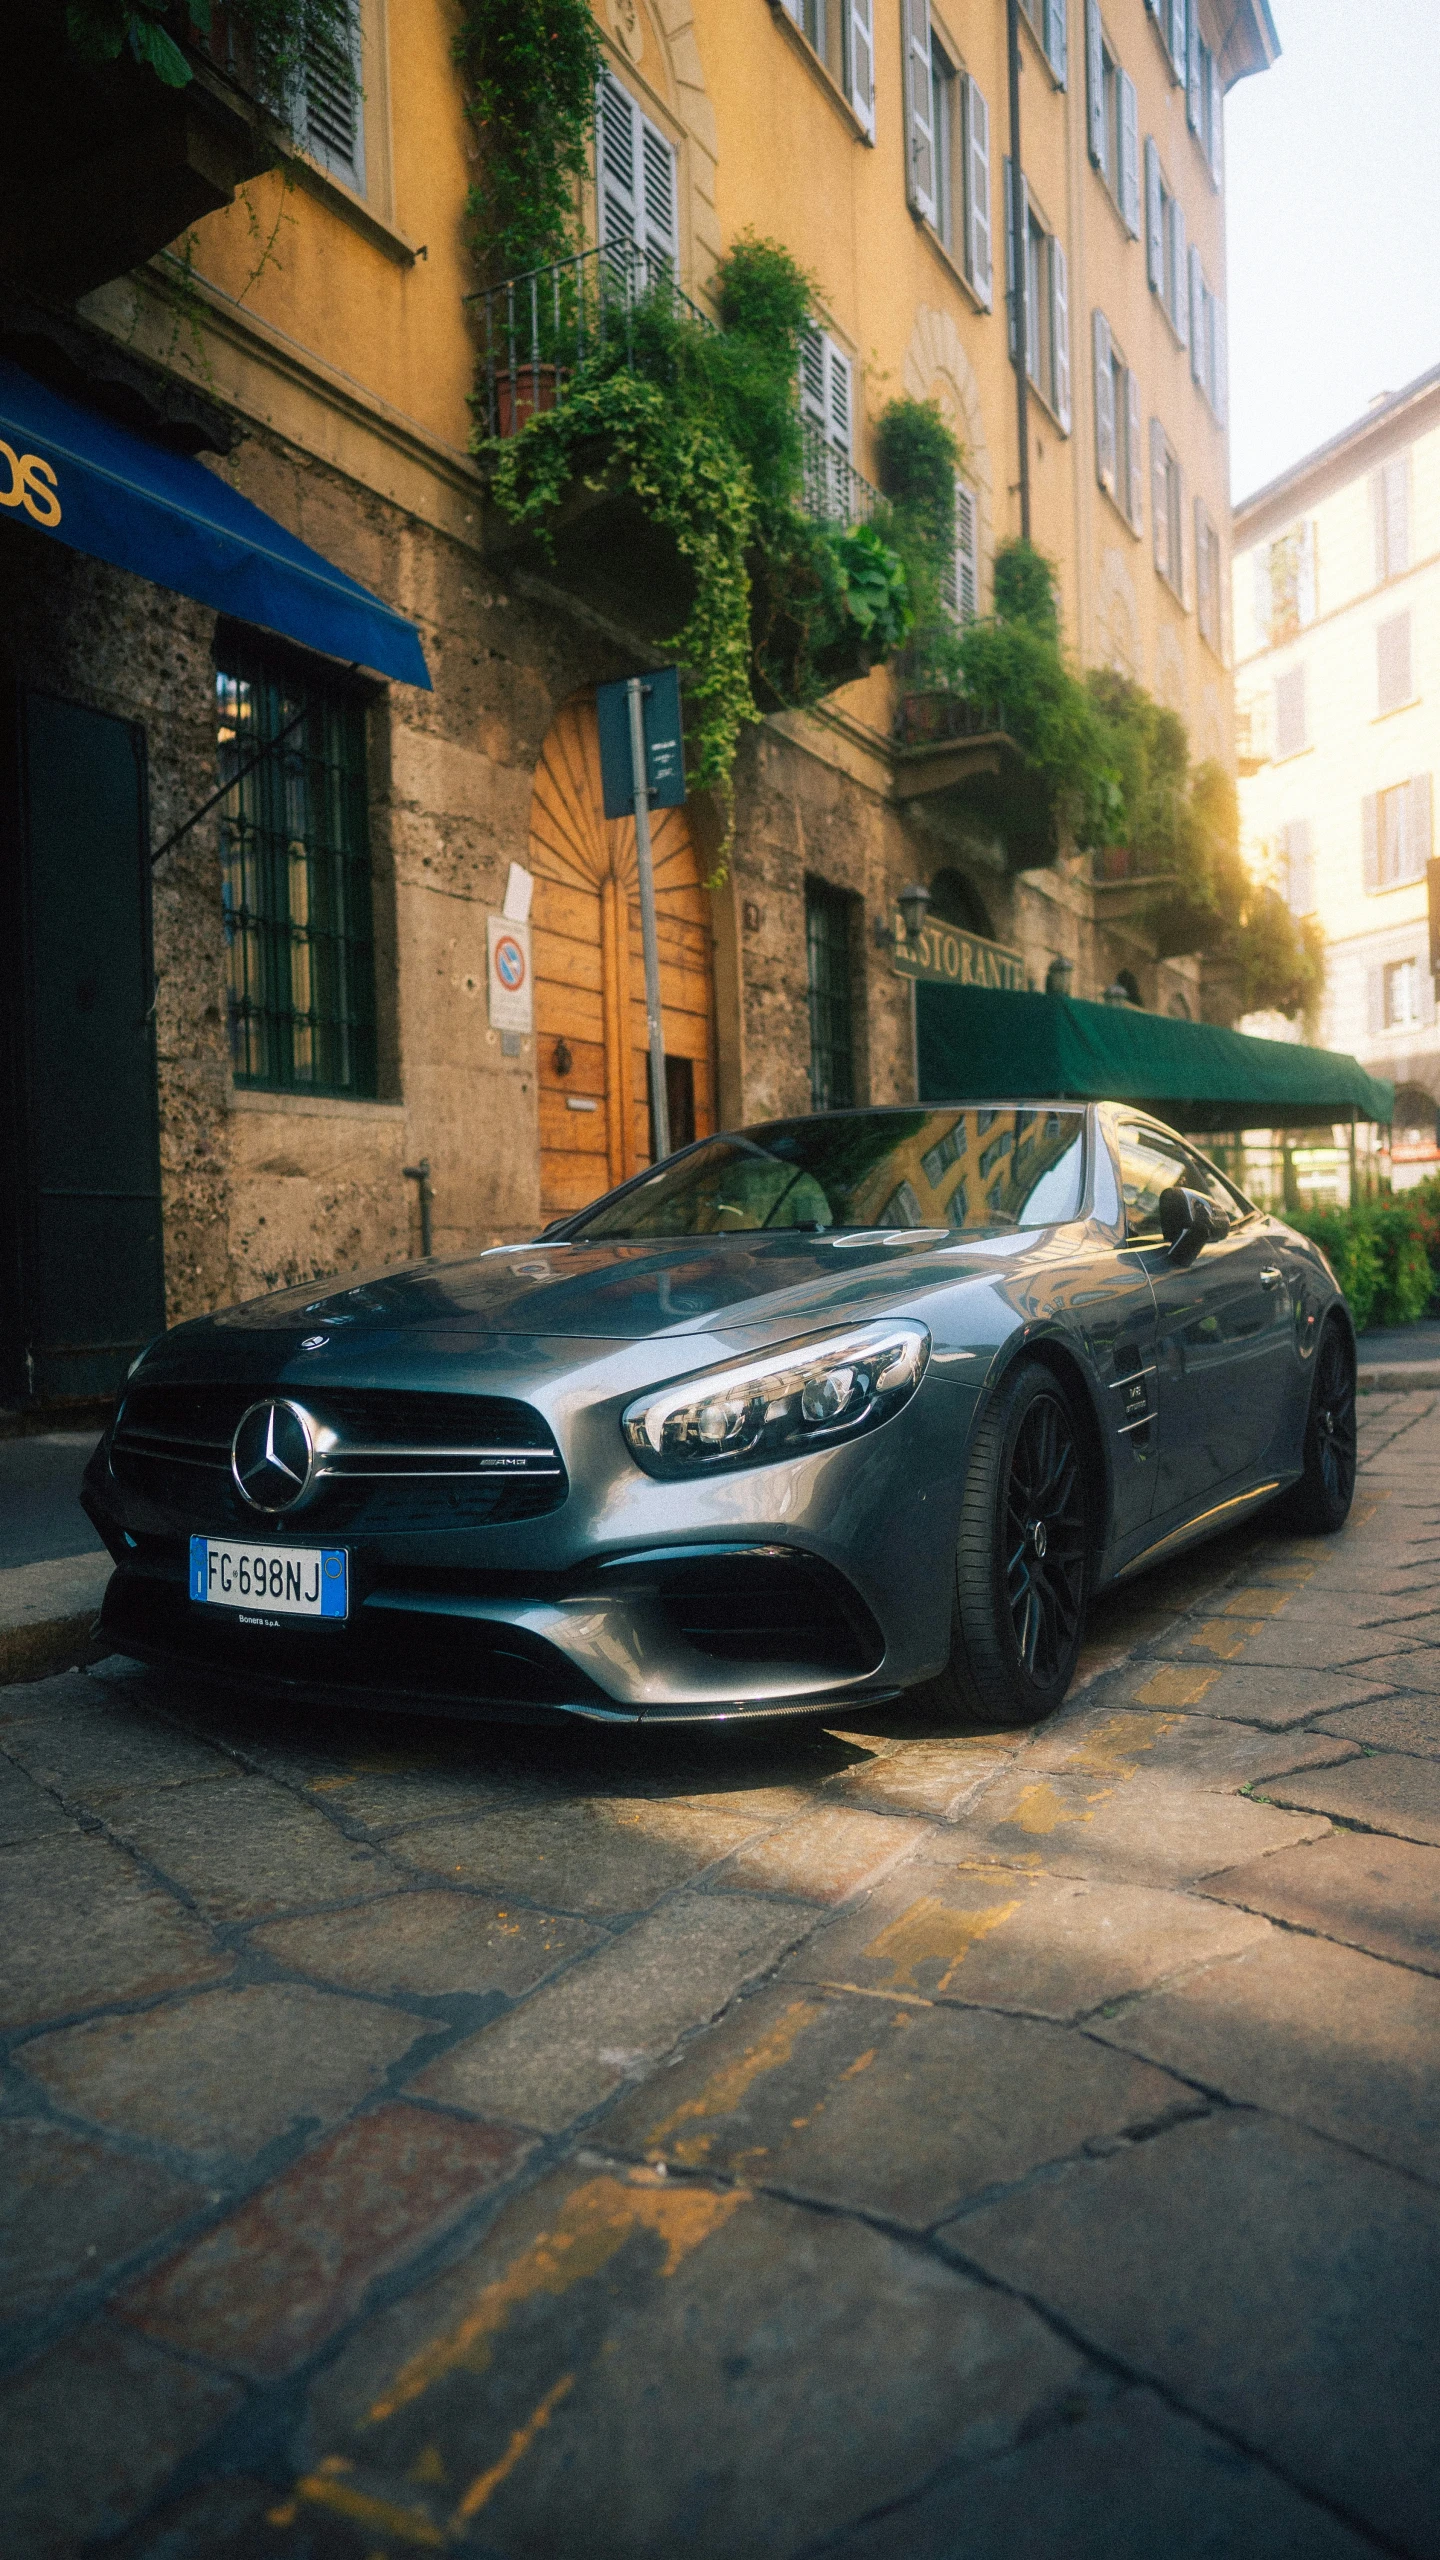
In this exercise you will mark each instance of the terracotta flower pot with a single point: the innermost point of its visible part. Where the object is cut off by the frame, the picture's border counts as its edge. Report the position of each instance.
(521, 396)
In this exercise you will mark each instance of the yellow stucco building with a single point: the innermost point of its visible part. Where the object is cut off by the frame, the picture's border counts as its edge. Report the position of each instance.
(1337, 620)
(311, 338)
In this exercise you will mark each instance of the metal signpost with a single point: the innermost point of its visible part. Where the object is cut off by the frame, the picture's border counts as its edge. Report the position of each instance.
(642, 765)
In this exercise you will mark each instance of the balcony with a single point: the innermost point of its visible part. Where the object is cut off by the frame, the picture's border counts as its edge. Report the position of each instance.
(943, 743)
(101, 164)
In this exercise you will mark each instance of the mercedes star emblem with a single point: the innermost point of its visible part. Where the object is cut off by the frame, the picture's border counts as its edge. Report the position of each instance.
(272, 1456)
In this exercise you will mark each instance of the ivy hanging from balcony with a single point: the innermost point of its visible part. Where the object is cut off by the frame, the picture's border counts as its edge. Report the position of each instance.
(270, 39)
(530, 69)
(624, 378)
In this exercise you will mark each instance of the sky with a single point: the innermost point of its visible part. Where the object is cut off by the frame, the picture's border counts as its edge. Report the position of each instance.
(1333, 185)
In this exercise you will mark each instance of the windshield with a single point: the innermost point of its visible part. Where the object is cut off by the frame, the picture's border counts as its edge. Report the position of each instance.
(969, 1171)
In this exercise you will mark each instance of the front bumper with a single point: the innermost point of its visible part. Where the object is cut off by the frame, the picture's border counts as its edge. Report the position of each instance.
(795, 1587)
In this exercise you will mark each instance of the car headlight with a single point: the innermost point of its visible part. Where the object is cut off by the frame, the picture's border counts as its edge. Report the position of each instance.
(806, 1396)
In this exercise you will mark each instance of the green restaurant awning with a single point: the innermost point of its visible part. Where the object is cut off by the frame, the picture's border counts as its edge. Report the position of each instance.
(977, 1043)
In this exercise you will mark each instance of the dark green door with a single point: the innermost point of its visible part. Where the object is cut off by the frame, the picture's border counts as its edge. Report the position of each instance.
(91, 1275)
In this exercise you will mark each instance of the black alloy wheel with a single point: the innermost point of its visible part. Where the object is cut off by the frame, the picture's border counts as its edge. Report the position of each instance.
(1023, 1557)
(1322, 1498)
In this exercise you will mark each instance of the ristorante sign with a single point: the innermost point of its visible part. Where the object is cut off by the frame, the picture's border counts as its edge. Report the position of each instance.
(944, 955)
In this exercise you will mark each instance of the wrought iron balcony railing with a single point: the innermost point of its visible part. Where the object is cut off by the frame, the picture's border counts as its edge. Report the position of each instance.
(938, 719)
(539, 331)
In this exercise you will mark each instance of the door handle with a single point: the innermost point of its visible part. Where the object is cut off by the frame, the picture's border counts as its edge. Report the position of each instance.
(1271, 1278)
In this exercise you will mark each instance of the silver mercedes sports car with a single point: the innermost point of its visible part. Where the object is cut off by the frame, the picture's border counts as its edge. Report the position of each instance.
(808, 1415)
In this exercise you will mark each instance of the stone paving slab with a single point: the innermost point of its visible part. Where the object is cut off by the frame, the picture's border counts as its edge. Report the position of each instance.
(1132, 2481)
(1271, 2283)
(259, 2293)
(578, 2039)
(430, 1944)
(1212, 1754)
(73, 2212)
(84, 1927)
(1391, 1792)
(91, 2432)
(48, 1613)
(825, 1856)
(608, 1858)
(637, 2366)
(929, 1777)
(1143, 1830)
(898, 2112)
(1275, 1698)
(1392, 1724)
(26, 1811)
(97, 1761)
(1331, 2038)
(247, 1849)
(1037, 1944)
(228, 2073)
(1354, 1886)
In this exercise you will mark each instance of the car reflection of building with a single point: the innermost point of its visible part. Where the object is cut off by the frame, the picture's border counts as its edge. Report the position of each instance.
(1337, 634)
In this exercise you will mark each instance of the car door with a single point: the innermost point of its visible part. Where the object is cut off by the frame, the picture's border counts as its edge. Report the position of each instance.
(1222, 1325)
(1110, 1299)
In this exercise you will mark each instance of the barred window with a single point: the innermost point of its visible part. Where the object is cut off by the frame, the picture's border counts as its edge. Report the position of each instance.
(832, 1034)
(295, 880)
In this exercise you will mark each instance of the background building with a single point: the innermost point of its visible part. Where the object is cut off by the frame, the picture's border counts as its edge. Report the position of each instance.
(1337, 612)
(319, 1009)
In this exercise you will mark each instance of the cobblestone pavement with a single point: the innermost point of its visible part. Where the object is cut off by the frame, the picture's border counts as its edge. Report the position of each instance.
(887, 2144)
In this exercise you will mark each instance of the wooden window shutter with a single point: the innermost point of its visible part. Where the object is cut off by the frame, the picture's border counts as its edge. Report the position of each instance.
(1197, 318)
(1129, 155)
(1215, 121)
(1370, 842)
(920, 138)
(334, 101)
(1180, 577)
(967, 553)
(1154, 220)
(1179, 16)
(1018, 293)
(1057, 38)
(1179, 279)
(660, 230)
(617, 176)
(1095, 82)
(1104, 406)
(979, 252)
(1219, 366)
(861, 67)
(1305, 582)
(1202, 568)
(1159, 498)
(1134, 460)
(1392, 656)
(1060, 331)
(1422, 820)
(1374, 1000)
(812, 376)
(839, 418)
(1194, 76)
(794, 9)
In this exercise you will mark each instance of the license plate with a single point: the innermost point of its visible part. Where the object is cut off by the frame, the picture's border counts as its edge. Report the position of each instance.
(267, 1583)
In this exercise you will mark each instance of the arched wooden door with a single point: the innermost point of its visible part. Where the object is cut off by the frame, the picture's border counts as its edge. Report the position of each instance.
(590, 975)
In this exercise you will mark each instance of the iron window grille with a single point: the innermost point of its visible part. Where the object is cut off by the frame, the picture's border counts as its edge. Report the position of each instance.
(832, 1013)
(295, 882)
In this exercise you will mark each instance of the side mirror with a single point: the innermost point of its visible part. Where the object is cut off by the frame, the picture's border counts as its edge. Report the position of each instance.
(1187, 1221)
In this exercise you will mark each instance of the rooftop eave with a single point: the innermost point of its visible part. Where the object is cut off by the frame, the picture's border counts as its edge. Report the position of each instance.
(1250, 43)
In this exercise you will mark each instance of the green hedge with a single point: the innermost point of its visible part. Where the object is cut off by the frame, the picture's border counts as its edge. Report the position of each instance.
(1380, 1252)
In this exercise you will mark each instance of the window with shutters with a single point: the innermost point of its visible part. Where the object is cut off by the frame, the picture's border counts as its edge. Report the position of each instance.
(948, 151)
(1390, 511)
(636, 180)
(977, 256)
(1207, 338)
(960, 580)
(1393, 684)
(1395, 833)
(1285, 584)
(832, 1004)
(1207, 576)
(1119, 464)
(1044, 303)
(944, 120)
(841, 35)
(329, 113)
(827, 406)
(1048, 23)
(1113, 120)
(1203, 94)
(1171, 22)
(1167, 510)
(1297, 866)
(1167, 256)
(1292, 725)
(1402, 995)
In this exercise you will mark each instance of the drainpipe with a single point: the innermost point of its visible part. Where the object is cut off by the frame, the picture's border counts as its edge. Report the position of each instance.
(420, 1173)
(1019, 251)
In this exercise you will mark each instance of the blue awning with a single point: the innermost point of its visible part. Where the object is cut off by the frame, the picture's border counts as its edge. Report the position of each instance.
(119, 498)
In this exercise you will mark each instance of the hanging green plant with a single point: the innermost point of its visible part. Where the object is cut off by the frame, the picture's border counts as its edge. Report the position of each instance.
(530, 70)
(274, 37)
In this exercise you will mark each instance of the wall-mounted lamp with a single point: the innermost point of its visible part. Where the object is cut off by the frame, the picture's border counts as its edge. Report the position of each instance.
(1118, 994)
(914, 906)
(1059, 975)
(562, 1058)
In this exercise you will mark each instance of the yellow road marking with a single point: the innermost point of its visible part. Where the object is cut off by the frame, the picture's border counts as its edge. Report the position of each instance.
(1039, 1809)
(405, 2523)
(484, 2486)
(1107, 1753)
(1175, 1685)
(930, 1932)
(726, 2087)
(1226, 1636)
(1254, 1604)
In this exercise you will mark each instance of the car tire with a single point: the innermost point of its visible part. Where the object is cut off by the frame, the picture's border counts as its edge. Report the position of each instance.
(1320, 1502)
(1022, 1560)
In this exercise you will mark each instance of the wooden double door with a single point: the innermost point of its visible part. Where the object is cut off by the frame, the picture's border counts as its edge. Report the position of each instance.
(590, 1032)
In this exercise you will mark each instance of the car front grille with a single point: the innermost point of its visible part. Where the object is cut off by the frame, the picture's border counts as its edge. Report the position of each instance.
(400, 1460)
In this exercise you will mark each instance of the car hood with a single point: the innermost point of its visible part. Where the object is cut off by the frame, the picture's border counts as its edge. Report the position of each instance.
(630, 1292)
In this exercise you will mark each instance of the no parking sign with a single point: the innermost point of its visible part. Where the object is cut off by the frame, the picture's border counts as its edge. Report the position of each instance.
(511, 1001)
